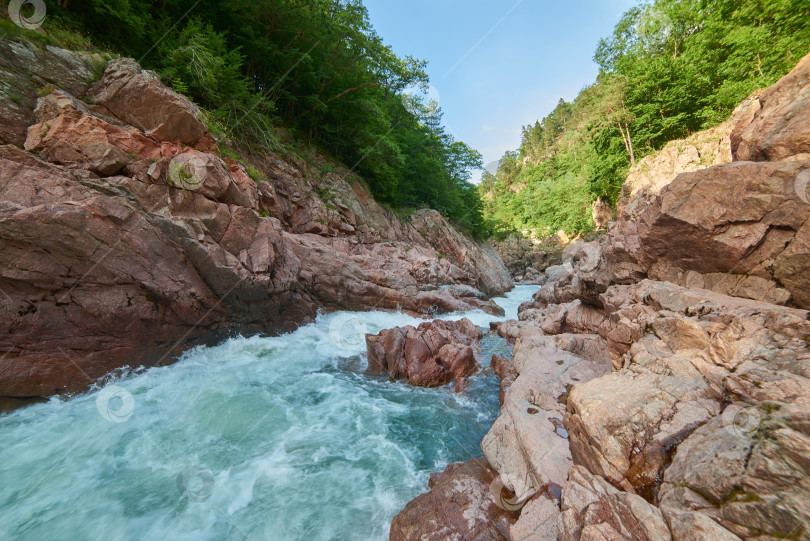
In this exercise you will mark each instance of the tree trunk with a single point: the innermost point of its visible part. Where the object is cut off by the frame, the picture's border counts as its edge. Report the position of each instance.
(624, 139)
(630, 145)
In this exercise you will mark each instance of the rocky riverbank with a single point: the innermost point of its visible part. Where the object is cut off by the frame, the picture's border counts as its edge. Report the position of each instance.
(659, 388)
(127, 237)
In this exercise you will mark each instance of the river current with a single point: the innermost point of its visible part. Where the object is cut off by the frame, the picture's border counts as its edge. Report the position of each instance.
(279, 438)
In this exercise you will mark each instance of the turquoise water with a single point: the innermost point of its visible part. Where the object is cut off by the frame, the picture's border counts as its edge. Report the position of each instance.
(258, 438)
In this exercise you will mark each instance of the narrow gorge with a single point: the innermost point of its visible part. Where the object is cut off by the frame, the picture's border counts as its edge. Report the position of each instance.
(659, 386)
(249, 290)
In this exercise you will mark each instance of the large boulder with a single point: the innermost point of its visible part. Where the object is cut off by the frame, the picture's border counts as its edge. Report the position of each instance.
(69, 132)
(744, 474)
(594, 510)
(137, 97)
(779, 128)
(700, 150)
(430, 355)
(742, 227)
(464, 504)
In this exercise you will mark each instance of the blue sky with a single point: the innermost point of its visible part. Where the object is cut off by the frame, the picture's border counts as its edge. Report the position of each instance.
(539, 52)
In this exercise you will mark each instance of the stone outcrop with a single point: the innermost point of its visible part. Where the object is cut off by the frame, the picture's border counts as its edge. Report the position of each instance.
(459, 507)
(698, 151)
(692, 429)
(528, 443)
(740, 229)
(138, 98)
(126, 237)
(526, 259)
(26, 69)
(779, 127)
(687, 359)
(430, 355)
(673, 355)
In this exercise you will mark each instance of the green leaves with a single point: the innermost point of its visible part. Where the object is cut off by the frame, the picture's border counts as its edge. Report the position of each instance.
(316, 66)
(670, 68)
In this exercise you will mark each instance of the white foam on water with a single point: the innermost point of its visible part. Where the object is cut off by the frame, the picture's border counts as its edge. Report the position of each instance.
(280, 438)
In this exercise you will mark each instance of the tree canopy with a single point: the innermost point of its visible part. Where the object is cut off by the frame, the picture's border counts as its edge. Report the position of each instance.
(316, 67)
(670, 68)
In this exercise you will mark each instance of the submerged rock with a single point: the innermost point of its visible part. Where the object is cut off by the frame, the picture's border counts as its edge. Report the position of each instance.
(430, 355)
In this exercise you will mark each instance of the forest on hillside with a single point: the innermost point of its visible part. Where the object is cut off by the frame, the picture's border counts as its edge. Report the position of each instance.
(315, 68)
(670, 68)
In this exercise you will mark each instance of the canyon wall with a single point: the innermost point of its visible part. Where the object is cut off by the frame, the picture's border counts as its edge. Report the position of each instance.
(126, 237)
(660, 387)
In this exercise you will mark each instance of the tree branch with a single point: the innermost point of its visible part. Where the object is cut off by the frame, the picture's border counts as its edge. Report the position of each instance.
(351, 90)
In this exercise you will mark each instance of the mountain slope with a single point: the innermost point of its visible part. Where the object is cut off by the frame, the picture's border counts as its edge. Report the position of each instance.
(126, 237)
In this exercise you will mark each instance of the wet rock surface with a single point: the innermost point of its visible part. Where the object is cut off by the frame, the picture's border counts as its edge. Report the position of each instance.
(430, 355)
(459, 507)
(126, 238)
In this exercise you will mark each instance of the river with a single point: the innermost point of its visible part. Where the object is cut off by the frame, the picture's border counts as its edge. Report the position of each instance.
(258, 438)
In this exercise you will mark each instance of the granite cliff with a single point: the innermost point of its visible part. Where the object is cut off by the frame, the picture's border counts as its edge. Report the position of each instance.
(659, 386)
(127, 236)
